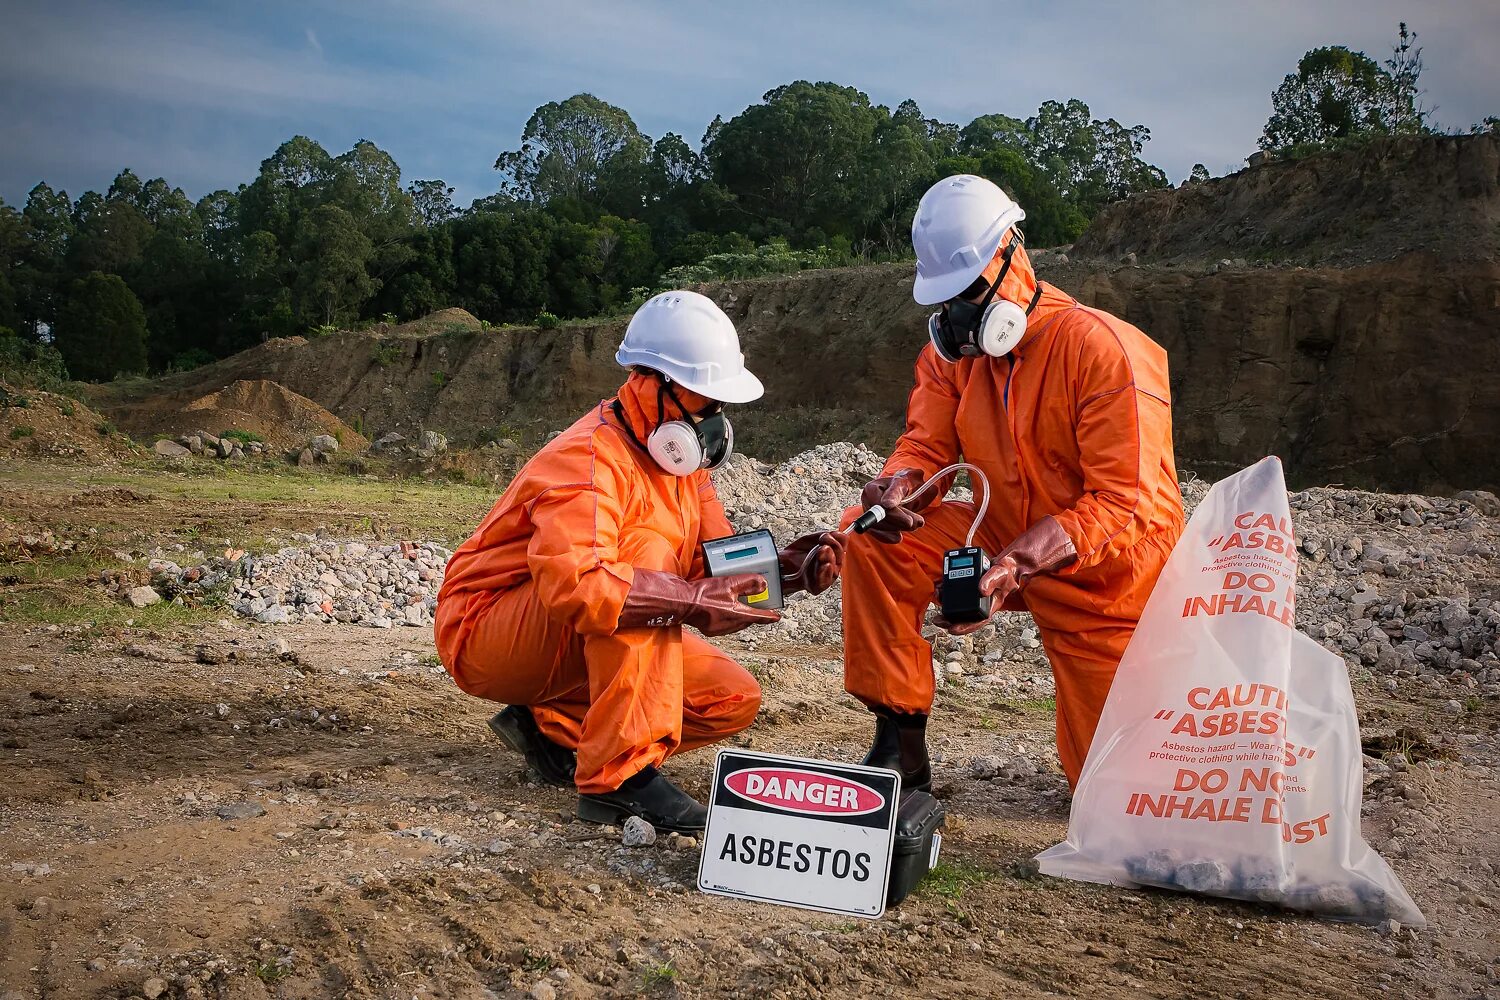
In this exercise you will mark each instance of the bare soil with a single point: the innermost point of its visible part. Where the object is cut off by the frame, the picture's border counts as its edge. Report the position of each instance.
(254, 811)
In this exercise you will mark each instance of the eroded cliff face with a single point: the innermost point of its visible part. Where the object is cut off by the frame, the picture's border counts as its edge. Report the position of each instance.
(1388, 198)
(1380, 376)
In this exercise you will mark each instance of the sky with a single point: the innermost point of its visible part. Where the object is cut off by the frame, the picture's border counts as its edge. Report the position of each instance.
(201, 93)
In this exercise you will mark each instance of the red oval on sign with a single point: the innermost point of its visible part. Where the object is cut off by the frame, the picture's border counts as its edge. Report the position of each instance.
(809, 792)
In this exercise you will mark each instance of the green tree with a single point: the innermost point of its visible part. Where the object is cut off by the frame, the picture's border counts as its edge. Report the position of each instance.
(432, 201)
(568, 148)
(40, 272)
(332, 282)
(1199, 174)
(101, 329)
(1337, 93)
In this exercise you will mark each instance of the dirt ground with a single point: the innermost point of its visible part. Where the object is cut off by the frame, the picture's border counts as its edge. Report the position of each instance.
(193, 806)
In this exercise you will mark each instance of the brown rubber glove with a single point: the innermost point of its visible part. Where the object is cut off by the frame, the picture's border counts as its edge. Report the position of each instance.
(1041, 548)
(711, 605)
(812, 562)
(889, 492)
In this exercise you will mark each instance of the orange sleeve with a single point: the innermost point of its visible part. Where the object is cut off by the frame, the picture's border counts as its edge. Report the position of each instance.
(930, 441)
(1123, 433)
(573, 554)
(712, 523)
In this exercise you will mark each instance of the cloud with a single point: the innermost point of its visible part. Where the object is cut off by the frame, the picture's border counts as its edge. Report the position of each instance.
(312, 40)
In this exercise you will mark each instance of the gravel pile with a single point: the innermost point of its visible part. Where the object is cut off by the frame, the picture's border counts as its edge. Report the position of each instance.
(319, 580)
(1401, 586)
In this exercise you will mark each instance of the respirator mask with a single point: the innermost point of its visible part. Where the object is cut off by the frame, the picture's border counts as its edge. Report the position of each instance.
(963, 329)
(682, 447)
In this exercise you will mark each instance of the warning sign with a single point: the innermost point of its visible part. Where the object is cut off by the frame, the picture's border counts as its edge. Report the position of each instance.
(808, 833)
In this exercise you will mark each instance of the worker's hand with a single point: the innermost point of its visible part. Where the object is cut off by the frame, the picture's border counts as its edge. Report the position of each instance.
(711, 605)
(717, 609)
(998, 583)
(890, 492)
(812, 562)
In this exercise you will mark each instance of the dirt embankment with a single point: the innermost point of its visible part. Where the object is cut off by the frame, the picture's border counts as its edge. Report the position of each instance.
(1434, 194)
(280, 417)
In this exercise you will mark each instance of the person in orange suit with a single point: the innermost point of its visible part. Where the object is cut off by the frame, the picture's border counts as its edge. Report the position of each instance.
(568, 603)
(1067, 410)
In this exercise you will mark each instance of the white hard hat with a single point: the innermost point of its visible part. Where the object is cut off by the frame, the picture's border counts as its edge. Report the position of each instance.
(687, 338)
(959, 224)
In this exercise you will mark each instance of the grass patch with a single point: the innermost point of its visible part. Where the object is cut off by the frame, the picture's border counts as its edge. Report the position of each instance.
(1037, 705)
(243, 437)
(659, 975)
(270, 972)
(534, 962)
(949, 879)
(70, 604)
(294, 498)
(21, 431)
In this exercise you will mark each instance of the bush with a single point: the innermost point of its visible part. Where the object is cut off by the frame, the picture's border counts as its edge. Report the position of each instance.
(243, 437)
(21, 431)
(773, 257)
(439, 379)
(30, 365)
(322, 330)
(547, 321)
(387, 352)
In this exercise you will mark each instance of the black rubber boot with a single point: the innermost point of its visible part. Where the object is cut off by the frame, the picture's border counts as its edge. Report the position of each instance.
(901, 745)
(650, 796)
(553, 764)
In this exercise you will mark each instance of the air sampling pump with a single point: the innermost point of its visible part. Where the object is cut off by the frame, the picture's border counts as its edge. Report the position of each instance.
(963, 568)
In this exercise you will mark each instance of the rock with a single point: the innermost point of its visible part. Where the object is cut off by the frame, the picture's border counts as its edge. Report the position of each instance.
(192, 443)
(276, 614)
(170, 450)
(324, 442)
(1203, 876)
(1157, 867)
(985, 767)
(543, 990)
(390, 441)
(637, 833)
(209, 440)
(1259, 158)
(1486, 502)
(226, 447)
(305, 458)
(41, 908)
(240, 810)
(97, 965)
(1129, 260)
(142, 597)
(154, 987)
(431, 443)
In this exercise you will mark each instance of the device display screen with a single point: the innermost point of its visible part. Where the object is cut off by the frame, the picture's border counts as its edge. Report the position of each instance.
(740, 553)
(960, 562)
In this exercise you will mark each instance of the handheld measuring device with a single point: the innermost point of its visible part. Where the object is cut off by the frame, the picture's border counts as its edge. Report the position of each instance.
(958, 587)
(748, 552)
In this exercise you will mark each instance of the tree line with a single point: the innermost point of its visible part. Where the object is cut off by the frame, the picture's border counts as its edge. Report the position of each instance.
(591, 214)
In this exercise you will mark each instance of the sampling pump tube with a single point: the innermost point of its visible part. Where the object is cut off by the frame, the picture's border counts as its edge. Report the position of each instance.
(963, 568)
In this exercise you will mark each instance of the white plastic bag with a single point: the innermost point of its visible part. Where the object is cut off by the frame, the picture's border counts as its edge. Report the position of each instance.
(1227, 760)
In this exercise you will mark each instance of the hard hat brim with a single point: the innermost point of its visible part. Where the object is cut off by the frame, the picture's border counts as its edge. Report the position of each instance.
(936, 290)
(741, 388)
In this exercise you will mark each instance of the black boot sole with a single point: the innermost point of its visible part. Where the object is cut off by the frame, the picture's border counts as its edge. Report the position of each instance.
(608, 814)
(511, 735)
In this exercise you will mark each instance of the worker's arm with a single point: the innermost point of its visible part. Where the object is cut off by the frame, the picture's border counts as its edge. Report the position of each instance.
(930, 441)
(1124, 432)
(573, 554)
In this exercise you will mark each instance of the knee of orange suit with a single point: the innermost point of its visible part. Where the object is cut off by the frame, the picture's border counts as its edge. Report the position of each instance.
(742, 708)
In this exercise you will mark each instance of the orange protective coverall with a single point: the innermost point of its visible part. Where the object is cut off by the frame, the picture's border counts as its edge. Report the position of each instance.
(1076, 423)
(529, 604)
